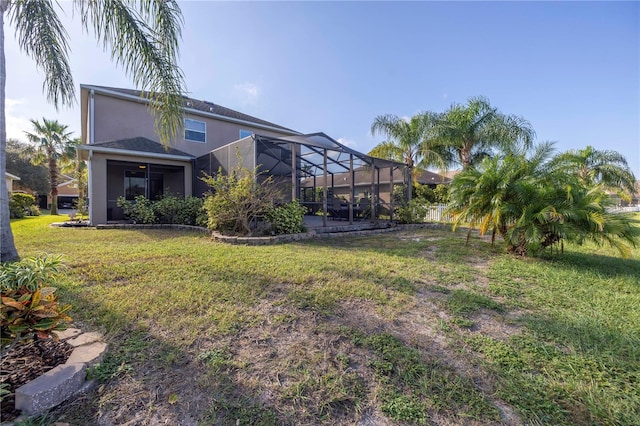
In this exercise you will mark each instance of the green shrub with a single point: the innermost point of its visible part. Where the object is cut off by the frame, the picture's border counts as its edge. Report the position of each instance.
(413, 212)
(34, 210)
(29, 305)
(178, 210)
(20, 205)
(287, 218)
(192, 212)
(139, 210)
(441, 194)
(238, 199)
(425, 192)
(168, 209)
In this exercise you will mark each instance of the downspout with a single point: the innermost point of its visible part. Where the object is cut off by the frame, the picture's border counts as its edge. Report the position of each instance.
(90, 188)
(92, 133)
(91, 141)
(193, 178)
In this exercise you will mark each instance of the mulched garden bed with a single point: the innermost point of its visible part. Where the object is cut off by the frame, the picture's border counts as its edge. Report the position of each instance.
(27, 362)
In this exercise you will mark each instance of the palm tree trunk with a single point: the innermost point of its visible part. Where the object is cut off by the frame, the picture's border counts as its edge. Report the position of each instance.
(53, 178)
(465, 157)
(8, 250)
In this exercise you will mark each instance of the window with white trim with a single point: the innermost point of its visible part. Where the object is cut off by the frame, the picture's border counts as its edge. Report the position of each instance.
(245, 133)
(195, 131)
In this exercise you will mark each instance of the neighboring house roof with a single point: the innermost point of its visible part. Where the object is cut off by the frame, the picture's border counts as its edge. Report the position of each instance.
(427, 177)
(209, 108)
(11, 176)
(138, 146)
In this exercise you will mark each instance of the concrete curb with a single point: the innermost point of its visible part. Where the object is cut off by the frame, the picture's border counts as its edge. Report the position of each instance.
(65, 380)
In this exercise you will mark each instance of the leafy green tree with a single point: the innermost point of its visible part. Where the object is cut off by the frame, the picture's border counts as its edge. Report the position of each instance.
(533, 205)
(594, 167)
(35, 178)
(470, 132)
(51, 145)
(408, 141)
(142, 36)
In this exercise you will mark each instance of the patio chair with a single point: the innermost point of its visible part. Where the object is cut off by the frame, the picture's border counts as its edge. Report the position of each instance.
(337, 209)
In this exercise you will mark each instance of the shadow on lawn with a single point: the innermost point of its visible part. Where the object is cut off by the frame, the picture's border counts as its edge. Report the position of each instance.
(144, 379)
(597, 264)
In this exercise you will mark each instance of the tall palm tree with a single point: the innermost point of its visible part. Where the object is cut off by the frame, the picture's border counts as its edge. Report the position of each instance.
(471, 131)
(408, 141)
(142, 36)
(594, 167)
(51, 145)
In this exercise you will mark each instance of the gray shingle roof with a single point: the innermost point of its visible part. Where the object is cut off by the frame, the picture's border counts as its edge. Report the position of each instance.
(204, 106)
(141, 144)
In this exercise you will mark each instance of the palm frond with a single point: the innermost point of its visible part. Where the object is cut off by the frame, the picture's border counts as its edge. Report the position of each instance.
(40, 34)
(146, 51)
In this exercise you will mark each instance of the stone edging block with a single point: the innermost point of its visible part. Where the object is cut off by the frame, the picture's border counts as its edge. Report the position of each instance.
(329, 232)
(65, 380)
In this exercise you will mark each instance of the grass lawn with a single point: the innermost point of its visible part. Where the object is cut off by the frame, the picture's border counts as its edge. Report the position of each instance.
(405, 327)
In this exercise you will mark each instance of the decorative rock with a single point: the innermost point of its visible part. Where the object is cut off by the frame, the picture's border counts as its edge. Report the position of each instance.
(68, 333)
(50, 389)
(85, 339)
(89, 354)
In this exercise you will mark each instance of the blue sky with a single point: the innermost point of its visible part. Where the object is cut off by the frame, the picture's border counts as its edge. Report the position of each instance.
(571, 68)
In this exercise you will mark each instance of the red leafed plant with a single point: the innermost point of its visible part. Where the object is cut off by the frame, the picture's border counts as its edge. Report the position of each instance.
(29, 305)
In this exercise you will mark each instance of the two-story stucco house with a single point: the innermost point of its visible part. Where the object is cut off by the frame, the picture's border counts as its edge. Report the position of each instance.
(125, 158)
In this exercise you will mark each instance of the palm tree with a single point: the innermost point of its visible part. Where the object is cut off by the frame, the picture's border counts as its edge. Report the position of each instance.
(408, 141)
(471, 131)
(142, 36)
(594, 167)
(534, 205)
(487, 196)
(51, 145)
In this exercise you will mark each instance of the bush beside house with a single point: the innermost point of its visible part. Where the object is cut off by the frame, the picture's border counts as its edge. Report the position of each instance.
(168, 209)
(21, 205)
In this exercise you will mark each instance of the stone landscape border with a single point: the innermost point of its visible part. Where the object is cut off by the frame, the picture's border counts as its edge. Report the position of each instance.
(66, 380)
(328, 232)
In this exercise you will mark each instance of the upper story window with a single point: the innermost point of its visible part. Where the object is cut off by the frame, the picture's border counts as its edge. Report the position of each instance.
(195, 130)
(245, 133)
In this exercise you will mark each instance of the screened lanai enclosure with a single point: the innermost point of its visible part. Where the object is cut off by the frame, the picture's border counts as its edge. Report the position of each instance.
(333, 181)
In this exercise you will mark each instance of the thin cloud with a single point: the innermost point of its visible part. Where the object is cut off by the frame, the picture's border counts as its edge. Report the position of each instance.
(247, 93)
(16, 124)
(348, 142)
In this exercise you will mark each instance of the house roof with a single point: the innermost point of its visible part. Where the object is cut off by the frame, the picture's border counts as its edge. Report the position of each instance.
(426, 177)
(11, 176)
(138, 146)
(196, 105)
